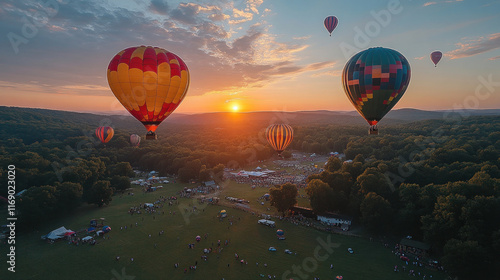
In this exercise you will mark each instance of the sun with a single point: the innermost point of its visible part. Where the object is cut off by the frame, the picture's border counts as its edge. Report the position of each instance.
(235, 108)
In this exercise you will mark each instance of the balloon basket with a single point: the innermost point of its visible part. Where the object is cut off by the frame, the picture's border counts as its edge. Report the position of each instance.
(151, 136)
(373, 130)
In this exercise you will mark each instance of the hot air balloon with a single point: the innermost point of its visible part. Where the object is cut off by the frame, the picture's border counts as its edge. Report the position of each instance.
(436, 57)
(279, 136)
(149, 82)
(135, 140)
(374, 80)
(104, 133)
(330, 23)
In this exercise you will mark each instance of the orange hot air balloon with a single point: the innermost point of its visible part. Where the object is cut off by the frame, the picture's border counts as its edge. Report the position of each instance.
(150, 82)
(104, 133)
(279, 136)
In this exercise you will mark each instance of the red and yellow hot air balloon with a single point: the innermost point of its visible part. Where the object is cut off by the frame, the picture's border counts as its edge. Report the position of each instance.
(104, 133)
(279, 136)
(150, 82)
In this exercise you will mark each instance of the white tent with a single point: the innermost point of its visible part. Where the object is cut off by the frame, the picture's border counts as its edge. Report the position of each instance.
(86, 238)
(56, 234)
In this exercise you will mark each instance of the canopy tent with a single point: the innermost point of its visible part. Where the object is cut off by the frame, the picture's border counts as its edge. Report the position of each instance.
(57, 233)
(86, 238)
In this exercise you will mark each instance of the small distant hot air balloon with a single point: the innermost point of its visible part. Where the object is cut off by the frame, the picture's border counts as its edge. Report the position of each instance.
(104, 133)
(374, 80)
(279, 136)
(280, 232)
(149, 82)
(135, 140)
(436, 57)
(330, 23)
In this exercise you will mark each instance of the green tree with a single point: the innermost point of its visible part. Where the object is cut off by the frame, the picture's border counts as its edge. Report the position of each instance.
(320, 195)
(283, 197)
(333, 164)
(101, 193)
(373, 180)
(69, 196)
(36, 205)
(376, 213)
(218, 172)
(204, 174)
(120, 183)
(466, 260)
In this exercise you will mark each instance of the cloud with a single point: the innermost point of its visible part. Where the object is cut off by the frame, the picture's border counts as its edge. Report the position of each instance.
(494, 58)
(159, 7)
(188, 12)
(434, 3)
(474, 47)
(420, 58)
(73, 47)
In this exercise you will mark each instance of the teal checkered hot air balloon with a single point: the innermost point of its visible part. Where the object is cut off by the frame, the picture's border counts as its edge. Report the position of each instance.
(374, 80)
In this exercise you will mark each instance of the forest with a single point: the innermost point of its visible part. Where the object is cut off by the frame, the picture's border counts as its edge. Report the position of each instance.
(437, 180)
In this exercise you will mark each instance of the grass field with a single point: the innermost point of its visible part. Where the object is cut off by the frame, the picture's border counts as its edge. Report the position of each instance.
(39, 260)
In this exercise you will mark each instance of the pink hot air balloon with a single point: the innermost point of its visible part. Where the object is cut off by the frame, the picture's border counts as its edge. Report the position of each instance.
(135, 140)
(436, 57)
(330, 23)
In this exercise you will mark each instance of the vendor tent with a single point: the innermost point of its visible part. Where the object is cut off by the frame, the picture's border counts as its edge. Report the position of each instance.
(86, 238)
(57, 233)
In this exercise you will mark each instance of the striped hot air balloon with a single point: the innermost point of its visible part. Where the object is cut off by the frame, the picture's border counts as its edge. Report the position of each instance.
(104, 133)
(150, 82)
(279, 136)
(330, 23)
(374, 80)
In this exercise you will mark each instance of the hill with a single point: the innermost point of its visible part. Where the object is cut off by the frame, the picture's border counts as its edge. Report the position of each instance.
(19, 123)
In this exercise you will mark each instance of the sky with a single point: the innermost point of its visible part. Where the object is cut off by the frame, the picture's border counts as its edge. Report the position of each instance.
(253, 55)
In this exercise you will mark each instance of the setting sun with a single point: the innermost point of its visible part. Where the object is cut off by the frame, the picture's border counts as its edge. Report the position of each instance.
(235, 108)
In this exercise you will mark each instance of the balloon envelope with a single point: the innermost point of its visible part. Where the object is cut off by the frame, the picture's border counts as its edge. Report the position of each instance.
(135, 140)
(150, 82)
(279, 136)
(104, 133)
(436, 57)
(374, 80)
(280, 232)
(330, 23)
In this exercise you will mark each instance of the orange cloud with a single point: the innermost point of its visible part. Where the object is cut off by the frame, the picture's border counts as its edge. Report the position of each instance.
(474, 47)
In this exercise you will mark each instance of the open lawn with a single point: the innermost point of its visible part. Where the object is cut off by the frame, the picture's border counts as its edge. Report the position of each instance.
(36, 259)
